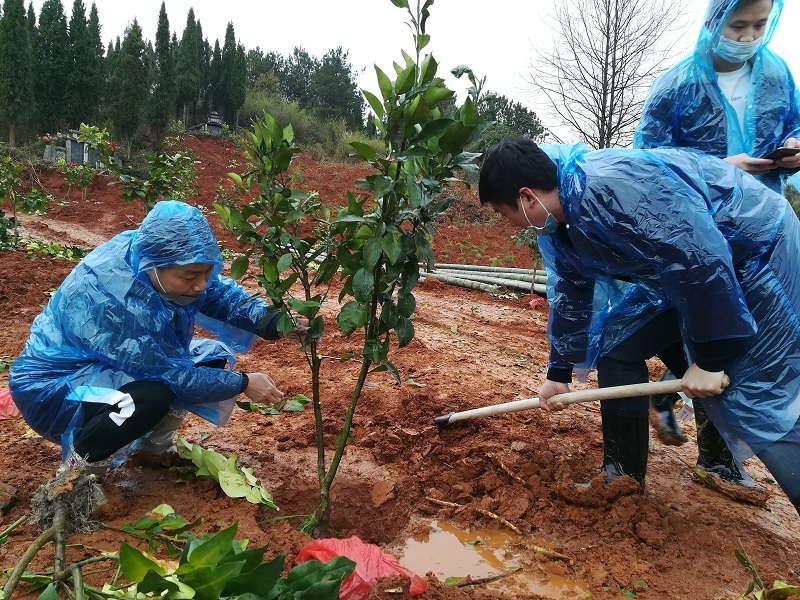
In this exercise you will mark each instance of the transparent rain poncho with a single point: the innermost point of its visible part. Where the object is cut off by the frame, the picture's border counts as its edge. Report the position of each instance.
(692, 233)
(685, 106)
(107, 325)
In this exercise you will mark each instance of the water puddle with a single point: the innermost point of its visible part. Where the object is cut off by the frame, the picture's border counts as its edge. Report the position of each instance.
(451, 554)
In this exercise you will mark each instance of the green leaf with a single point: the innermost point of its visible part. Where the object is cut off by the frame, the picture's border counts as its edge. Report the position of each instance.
(259, 580)
(372, 252)
(212, 550)
(400, 3)
(236, 178)
(363, 285)
(453, 580)
(49, 593)
(155, 583)
(384, 83)
(314, 572)
(382, 185)
(284, 262)
(135, 565)
(163, 510)
(391, 242)
(406, 303)
(209, 581)
(239, 266)
(352, 316)
(433, 128)
(365, 151)
(405, 332)
(233, 484)
(376, 104)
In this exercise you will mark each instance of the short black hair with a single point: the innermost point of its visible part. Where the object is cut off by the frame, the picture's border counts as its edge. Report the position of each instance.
(512, 164)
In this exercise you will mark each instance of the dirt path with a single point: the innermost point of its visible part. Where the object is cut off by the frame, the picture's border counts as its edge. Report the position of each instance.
(677, 540)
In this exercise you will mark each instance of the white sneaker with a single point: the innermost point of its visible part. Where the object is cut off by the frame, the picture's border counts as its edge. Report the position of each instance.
(74, 460)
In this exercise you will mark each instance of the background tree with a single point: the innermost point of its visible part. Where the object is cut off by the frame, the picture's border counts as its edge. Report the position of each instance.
(15, 66)
(131, 85)
(606, 53)
(53, 68)
(215, 75)
(334, 91)
(162, 99)
(300, 67)
(188, 68)
(95, 82)
(233, 76)
(80, 95)
(511, 119)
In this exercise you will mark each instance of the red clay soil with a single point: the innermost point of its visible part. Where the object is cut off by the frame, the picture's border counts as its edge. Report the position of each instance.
(471, 349)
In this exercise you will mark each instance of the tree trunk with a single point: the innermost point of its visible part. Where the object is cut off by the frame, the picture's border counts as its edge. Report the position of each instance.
(12, 133)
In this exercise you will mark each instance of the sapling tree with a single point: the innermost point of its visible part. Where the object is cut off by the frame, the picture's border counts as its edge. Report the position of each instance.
(11, 189)
(374, 244)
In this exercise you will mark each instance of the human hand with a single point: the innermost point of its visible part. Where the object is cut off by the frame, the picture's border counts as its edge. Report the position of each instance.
(790, 162)
(551, 388)
(754, 166)
(698, 383)
(262, 389)
(299, 328)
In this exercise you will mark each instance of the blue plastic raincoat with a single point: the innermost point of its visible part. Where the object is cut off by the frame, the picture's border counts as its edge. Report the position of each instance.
(692, 233)
(107, 325)
(685, 106)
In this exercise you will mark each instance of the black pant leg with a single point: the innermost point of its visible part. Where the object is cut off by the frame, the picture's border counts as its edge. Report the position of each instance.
(101, 436)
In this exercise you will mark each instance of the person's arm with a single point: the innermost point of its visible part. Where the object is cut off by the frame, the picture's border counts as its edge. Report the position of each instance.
(656, 125)
(570, 296)
(228, 302)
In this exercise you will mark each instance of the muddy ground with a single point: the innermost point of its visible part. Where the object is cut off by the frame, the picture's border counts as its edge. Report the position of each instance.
(471, 349)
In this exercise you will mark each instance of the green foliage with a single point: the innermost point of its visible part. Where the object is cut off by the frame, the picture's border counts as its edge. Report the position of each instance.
(130, 85)
(295, 404)
(80, 176)
(71, 253)
(209, 567)
(511, 120)
(15, 66)
(235, 481)
(333, 90)
(162, 99)
(793, 196)
(756, 590)
(51, 76)
(11, 190)
(187, 72)
(375, 242)
(171, 177)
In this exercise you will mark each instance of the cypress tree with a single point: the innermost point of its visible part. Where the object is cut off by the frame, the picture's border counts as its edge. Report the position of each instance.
(15, 66)
(217, 92)
(162, 100)
(227, 66)
(53, 62)
(95, 82)
(238, 84)
(131, 85)
(32, 24)
(188, 68)
(79, 74)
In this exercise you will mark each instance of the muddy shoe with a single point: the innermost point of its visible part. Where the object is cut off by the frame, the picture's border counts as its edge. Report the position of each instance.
(747, 494)
(666, 427)
(74, 460)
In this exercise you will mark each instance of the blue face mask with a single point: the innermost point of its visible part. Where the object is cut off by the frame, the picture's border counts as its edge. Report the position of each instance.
(550, 222)
(736, 52)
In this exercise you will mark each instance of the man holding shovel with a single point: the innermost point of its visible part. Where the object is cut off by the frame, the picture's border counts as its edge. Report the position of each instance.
(713, 253)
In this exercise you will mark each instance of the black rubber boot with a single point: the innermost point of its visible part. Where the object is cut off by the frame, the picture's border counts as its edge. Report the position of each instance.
(662, 419)
(713, 455)
(625, 446)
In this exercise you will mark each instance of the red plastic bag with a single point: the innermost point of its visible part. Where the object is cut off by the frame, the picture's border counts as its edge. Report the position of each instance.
(371, 564)
(7, 407)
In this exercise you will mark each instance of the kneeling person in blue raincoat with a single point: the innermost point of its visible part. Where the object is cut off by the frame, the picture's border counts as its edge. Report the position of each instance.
(112, 360)
(713, 253)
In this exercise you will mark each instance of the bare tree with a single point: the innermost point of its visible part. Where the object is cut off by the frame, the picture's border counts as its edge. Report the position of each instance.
(596, 74)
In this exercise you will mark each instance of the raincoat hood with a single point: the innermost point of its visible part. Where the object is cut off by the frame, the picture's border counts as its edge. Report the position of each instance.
(174, 234)
(716, 14)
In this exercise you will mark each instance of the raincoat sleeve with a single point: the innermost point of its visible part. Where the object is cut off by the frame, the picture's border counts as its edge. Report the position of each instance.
(228, 303)
(134, 338)
(651, 211)
(792, 119)
(570, 295)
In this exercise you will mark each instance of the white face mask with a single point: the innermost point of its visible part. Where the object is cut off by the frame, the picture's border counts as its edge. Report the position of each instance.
(736, 52)
(550, 222)
(175, 298)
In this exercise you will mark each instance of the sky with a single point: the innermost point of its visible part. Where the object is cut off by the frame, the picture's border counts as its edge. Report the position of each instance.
(496, 38)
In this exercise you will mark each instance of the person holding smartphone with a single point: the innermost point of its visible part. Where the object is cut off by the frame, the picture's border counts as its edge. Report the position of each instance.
(734, 99)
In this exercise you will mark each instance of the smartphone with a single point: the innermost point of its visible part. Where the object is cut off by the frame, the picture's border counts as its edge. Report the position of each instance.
(781, 152)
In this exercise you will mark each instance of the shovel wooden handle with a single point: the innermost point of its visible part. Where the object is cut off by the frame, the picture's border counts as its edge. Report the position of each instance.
(654, 388)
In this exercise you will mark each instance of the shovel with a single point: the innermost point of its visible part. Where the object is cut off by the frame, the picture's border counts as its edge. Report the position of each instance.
(651, 388)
